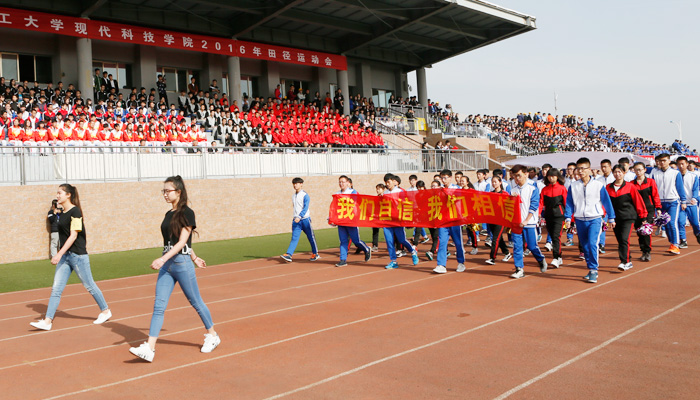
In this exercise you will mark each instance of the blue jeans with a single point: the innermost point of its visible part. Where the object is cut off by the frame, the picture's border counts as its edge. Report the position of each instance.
(297, 227)
(80, 263)
(178, 269)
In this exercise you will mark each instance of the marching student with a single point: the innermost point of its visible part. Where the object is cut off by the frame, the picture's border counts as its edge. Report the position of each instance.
(471, 229)
(587, 200)
(483, 184)
(347, 232)
(419, 234)
(624, 162)
(672, 194)
(606, 178)
(176, 265)
(529, 211)
(552, 205)
(444, 234)
(570, 177)
(496, 231)
(380, 188)
(647, 189)
(629, 206)
(301, 222)
(72, 256)
(691, 186)
(433, 231)
(396, 234)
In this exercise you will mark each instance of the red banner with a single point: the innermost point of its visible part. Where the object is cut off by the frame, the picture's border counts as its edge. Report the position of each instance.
(434, 208)
(110, 31)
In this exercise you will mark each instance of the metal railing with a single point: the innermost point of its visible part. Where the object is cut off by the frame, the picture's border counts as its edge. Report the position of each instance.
(56, 164)
(463, 129)
(398, 124)
(402, 109)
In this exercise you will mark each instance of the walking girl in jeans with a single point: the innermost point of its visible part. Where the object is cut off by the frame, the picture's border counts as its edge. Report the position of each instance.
(72, 256)
(177, 265)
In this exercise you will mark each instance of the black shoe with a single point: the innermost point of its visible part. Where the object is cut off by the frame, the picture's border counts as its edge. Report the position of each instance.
(358, 250)
(368, 254)
(601, 249)
(342, 263)
(683, 244)
(697, 237)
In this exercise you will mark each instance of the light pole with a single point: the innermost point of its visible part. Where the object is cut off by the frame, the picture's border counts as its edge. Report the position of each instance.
(680, 129)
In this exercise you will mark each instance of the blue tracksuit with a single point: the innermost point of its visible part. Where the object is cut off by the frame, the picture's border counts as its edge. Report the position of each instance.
(395, 234)
(672, 195)
(350, 232)
(444, 234)
(530, 204)
(691, 185)
(586, 202)
(301, 203)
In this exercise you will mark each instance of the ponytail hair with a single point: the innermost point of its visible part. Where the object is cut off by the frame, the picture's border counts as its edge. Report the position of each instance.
(73, 192)
(178, 221)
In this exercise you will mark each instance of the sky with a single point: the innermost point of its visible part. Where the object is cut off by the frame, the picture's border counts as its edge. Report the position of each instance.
(631, 65)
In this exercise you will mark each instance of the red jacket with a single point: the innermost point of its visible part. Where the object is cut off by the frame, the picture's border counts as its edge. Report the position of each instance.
(627, 202)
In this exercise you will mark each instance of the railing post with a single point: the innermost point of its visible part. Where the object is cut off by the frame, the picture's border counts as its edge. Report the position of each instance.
(22, 169)
(138, 165)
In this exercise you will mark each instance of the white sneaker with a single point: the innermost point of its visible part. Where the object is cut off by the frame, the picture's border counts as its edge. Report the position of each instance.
(519, 273)
(41, 324)
(624, 266)
(548, 246)
(144, 351)
(210, 342)
(461, 267)
(102, 318)
(507, 257)
(491, 261)
(440, 269)
(555, 263)
(560, 261)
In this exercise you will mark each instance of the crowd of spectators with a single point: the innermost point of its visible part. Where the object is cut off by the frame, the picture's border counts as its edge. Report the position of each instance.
(61, 115)
(547, 133)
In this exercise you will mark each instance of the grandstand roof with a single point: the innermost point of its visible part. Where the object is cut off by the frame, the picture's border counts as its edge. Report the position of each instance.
(411, 33)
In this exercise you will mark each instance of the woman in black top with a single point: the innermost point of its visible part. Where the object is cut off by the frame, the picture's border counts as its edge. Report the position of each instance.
(72, 256)
(497, 230)
(629, 206)
(176, 265)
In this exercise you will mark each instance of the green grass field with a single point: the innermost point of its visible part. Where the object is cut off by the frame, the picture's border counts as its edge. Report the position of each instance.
(38, 274)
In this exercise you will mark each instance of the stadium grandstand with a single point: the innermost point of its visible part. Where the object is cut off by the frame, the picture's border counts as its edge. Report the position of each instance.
(114, 89)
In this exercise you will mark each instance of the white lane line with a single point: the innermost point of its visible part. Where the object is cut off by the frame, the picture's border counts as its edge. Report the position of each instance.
(144, 275)
(189, 306)
(176, 291)
(393, 356)
(289, 339)
(593, 350)
(199, 327)
(153, 275)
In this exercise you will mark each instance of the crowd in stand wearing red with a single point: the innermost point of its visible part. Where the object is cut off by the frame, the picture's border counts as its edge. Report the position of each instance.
(56, 116)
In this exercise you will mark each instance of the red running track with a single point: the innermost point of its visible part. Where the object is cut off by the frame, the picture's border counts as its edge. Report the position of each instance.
(312, 331)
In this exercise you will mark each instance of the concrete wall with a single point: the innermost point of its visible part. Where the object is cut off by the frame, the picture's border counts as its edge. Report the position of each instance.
(127, 216)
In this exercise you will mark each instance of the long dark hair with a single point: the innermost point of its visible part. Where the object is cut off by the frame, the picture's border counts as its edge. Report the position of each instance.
(178, 221)
(554, 172)
(73, 192)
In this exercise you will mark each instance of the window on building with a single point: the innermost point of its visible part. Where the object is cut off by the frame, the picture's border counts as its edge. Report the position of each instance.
(249, 86)
(178, 79)
(380, 97)
(120, 72)
(22, 67)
